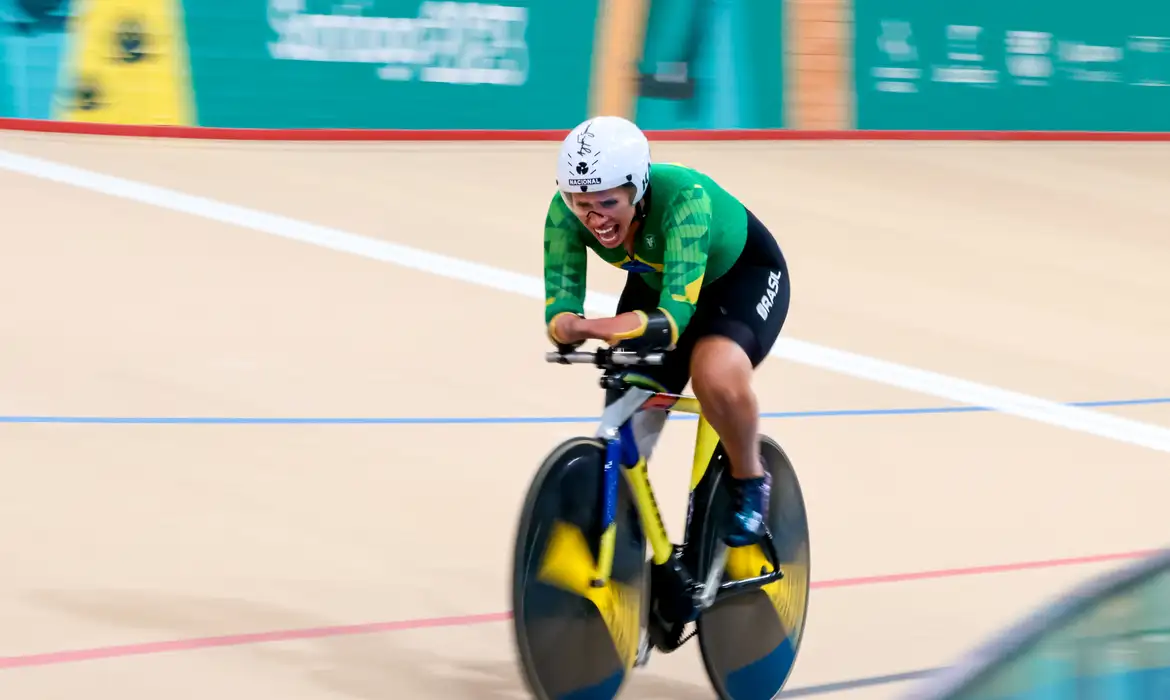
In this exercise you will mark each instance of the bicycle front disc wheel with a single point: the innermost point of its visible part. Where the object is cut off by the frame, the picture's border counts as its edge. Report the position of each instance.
(575, 640)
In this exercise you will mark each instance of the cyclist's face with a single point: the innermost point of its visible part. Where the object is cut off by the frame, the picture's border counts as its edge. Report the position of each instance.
(607, 214)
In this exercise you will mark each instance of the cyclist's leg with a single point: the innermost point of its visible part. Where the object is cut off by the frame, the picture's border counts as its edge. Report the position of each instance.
(745, 310)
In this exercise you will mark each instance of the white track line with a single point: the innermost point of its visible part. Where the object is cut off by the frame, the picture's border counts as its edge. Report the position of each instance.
(928, 383)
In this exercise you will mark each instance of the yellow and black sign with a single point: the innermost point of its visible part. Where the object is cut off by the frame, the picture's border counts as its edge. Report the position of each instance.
(126, 63)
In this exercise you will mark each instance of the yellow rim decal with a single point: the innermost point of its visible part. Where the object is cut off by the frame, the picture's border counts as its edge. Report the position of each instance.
(787, 595)
(568, 565)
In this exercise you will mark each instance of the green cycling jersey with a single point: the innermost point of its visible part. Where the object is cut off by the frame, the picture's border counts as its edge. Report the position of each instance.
(693, 232)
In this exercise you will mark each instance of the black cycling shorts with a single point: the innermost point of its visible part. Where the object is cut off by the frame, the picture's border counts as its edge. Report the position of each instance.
(748, 304)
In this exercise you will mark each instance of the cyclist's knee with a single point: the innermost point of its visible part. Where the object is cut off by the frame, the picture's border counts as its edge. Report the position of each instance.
(722, 394)
(721, 369)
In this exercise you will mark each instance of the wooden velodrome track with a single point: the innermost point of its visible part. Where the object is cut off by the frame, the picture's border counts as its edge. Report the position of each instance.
(233, 557)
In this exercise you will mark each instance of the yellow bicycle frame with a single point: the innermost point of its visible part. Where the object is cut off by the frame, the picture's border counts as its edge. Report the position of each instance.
(638, 478)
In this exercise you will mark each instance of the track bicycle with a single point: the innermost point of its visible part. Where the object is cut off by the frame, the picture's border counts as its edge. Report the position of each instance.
(589, 607)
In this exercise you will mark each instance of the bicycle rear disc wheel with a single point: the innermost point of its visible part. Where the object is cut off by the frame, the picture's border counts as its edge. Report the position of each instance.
(575, 641)
(749, 641)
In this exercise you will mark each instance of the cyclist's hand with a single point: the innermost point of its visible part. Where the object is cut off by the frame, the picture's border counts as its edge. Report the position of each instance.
(564, 334)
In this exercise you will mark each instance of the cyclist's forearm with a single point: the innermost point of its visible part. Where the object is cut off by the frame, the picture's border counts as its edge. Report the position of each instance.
(570, 328)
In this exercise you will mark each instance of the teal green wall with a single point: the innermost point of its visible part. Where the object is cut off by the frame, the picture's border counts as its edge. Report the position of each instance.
(527, 64)
(1013, 65)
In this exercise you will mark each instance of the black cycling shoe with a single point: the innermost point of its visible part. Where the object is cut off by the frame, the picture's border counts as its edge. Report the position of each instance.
(751, 510)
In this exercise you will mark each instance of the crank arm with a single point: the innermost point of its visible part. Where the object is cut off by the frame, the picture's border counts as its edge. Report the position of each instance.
(747, 585)
(769, 547)
(711, 585)
(712, 593)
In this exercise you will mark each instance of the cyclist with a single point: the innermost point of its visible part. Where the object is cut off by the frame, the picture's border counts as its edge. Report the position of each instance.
(707, 284)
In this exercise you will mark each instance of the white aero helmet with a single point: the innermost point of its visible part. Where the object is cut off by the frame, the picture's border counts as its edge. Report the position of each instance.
(602, 153)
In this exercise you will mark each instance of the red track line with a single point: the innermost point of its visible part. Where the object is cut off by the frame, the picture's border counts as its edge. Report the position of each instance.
(113, 652)
(979, 570)
(233, 134)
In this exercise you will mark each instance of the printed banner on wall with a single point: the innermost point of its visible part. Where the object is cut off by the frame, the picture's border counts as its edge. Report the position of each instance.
(402, 64)
(517, 64)
(1005, 64)
(125, 63)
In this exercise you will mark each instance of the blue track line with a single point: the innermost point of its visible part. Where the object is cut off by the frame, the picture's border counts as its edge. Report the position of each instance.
(856, 683)
(507, 420)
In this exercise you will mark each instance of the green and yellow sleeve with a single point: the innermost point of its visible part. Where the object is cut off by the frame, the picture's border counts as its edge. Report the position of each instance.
(688, 240)
(565, 263)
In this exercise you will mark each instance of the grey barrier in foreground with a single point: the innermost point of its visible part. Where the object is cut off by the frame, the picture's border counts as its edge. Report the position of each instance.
(1108, 639)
